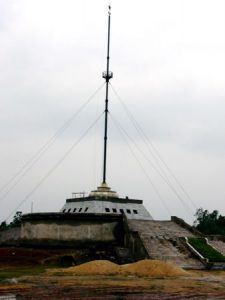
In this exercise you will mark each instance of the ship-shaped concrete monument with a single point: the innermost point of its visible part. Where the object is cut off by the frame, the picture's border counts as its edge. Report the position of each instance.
(103, 200)
(104, 226)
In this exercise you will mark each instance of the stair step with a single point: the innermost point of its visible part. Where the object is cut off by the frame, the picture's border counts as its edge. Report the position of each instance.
(160, 239)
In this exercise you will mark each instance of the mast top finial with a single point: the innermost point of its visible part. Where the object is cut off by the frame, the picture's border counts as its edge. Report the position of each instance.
(109, 9)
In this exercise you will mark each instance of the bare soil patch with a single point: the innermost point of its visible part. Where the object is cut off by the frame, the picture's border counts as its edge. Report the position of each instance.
(96, 280)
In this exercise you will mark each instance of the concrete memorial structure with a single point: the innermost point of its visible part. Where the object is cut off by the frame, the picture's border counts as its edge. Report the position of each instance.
(105, 201)
(102, 220)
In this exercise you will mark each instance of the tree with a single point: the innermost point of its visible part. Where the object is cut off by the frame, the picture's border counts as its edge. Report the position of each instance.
(15, 222)
(3, 225)
(209, 223)
(16, 219)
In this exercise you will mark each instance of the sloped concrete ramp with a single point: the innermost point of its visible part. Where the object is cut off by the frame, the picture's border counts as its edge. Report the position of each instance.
(162, 240)
(166, 229)
(218, 245)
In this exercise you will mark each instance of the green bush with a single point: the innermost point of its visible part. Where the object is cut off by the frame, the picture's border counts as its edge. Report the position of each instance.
(206, 250)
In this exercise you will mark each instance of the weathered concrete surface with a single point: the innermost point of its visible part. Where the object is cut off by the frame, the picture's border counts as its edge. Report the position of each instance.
(218, 242)
(133, 242)
(132, 209)
(167, 229)
(57, 229)
(161, 240)
(10, 236)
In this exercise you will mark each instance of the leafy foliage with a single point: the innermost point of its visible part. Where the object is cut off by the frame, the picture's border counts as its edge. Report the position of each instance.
(3, 225)
(15, 222)
(206, 250)
(16, 219)
(209, 223)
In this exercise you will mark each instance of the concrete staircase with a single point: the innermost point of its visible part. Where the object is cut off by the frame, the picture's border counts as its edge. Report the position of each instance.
(161, 240)
(165, 229)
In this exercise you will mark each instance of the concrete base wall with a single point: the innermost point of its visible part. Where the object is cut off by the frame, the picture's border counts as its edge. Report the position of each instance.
(10, 236)
(56, 229)
(133, 242)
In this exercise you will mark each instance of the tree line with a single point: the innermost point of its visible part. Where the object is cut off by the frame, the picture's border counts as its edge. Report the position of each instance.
(209, 223)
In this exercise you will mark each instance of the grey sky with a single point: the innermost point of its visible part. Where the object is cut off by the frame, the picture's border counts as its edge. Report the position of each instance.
(168, 59)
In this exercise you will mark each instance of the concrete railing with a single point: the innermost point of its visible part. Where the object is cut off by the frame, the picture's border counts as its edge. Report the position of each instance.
(204, 260)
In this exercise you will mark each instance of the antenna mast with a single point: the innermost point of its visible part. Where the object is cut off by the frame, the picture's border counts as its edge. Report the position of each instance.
(107, 75)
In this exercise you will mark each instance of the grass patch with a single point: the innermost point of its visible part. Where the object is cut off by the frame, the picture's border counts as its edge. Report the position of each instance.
(206, 250)
(15, 272)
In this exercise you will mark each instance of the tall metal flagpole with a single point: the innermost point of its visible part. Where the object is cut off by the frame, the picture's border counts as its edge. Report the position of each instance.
(107, 75)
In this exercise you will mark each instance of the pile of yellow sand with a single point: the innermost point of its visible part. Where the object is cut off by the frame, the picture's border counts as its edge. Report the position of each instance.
(152, 268)
(147, 268)
(95, 267)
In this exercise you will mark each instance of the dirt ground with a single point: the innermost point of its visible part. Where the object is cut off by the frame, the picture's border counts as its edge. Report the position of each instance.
(200, 286)
(66, 285)
(38, 282)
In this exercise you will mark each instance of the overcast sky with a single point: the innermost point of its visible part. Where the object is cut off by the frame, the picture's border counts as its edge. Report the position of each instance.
(168, 60)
